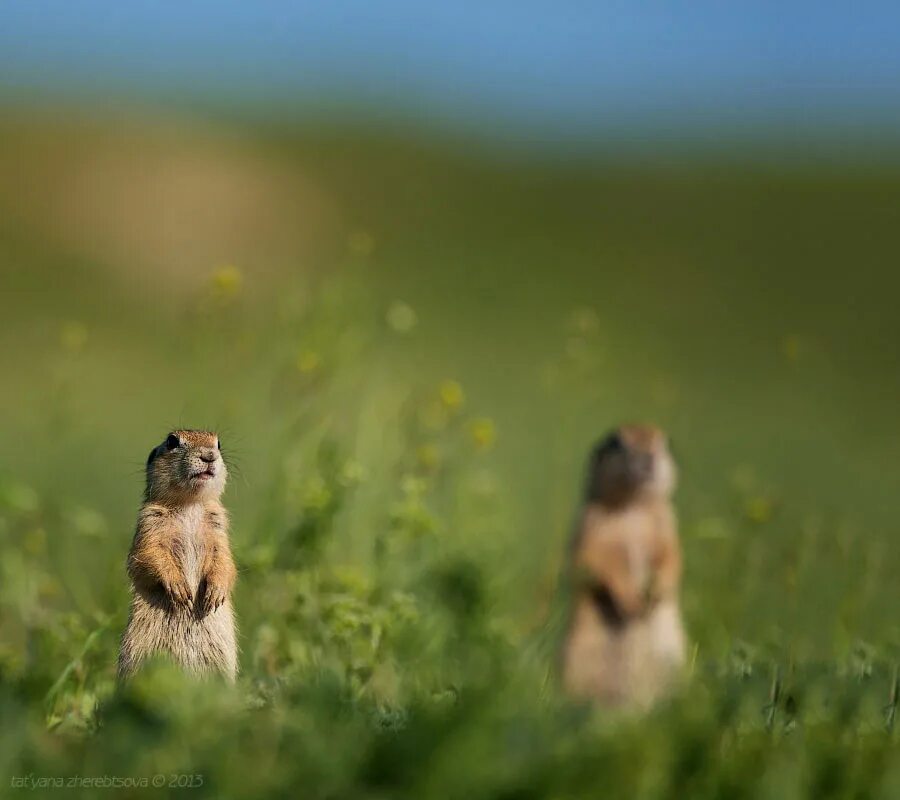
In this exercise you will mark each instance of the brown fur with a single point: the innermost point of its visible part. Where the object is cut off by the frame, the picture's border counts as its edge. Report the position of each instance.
(180, 563)
(625, 642)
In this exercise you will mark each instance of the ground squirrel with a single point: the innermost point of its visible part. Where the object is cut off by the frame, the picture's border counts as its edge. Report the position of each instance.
(180, 563)
(625, 641)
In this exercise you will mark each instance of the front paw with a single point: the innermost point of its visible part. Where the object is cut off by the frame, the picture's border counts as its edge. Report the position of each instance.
(214, 597)
(179, 593)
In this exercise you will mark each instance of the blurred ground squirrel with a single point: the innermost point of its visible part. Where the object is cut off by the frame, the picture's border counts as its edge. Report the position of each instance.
(625, 641)
(180, 563)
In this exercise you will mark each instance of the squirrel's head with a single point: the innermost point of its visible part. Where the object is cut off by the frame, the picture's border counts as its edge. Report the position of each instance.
(632, 461)
(187, 466)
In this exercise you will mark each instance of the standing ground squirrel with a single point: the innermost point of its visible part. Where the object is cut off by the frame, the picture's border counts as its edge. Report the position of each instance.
(180, 563)
(625, 641)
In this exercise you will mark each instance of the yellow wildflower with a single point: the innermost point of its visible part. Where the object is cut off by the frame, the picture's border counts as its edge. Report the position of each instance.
(428, 456)
(484, 433)
(308, 362)
(759, 509)
(452, 395)
(226, 281)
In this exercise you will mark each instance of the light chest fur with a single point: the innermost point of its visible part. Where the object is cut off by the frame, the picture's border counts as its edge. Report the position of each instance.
(633, 659)
(189, 527)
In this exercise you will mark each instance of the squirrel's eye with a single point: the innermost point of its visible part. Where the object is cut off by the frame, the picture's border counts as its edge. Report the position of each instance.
(172, 442)
(613, 442)
(219, 444)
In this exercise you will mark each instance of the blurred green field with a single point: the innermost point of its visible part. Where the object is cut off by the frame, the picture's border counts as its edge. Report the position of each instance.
(408, 346)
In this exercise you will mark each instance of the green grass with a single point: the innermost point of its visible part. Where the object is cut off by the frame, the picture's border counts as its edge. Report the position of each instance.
(408, 360)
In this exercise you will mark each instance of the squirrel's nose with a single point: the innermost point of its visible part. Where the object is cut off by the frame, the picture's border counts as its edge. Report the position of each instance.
(209, 456)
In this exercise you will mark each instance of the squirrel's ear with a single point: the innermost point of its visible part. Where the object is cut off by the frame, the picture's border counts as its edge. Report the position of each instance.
(152, 456)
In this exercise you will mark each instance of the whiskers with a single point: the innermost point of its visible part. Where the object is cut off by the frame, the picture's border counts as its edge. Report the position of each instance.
(230, 447)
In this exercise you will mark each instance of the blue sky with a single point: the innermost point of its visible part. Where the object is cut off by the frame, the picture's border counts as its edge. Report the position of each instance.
(567, 64)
